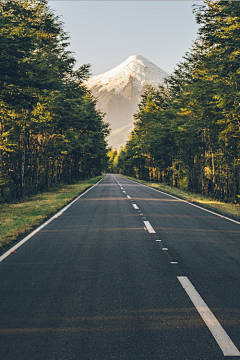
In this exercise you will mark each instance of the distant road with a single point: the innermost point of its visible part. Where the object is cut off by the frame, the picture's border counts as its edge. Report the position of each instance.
(125, 273)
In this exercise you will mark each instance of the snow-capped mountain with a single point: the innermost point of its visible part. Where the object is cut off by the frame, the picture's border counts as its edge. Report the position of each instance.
(118, 92)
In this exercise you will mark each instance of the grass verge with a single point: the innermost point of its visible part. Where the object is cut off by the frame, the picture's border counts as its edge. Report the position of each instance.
(224, 208)
(20, 218)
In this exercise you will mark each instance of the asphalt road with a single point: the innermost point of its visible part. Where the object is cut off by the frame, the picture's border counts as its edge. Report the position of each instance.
(97, 283)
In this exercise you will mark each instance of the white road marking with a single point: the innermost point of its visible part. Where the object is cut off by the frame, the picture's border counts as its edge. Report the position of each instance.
(59, 213)
(117, 182)
(165, 249)
(135, 206)
(174, 262)
(189, 203)
(149, 227)
(129, 197)
(224, 342)
(158, 240)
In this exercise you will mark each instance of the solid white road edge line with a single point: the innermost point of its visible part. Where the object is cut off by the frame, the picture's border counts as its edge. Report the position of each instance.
(187, 202)
(7, 253)
(135, 206)
(149, 227)
(225, 343)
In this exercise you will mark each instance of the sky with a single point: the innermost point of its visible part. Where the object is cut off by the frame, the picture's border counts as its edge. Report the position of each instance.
(105, 33)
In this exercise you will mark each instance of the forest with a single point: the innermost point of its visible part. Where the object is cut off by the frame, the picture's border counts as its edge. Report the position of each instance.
(50, 131)
(187, 132)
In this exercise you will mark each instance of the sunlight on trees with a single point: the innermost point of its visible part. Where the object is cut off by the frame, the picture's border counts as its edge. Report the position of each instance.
(187, 133)
(50, 129)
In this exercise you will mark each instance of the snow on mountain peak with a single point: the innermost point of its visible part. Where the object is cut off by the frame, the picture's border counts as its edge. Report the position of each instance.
(118, 93)
(141, 70)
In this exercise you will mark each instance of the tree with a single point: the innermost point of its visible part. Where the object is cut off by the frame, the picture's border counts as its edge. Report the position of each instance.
(50, 128)
(187, 132)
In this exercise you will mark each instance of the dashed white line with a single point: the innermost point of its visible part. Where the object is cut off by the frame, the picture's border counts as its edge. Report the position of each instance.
(187, 202)
(225, 343)
(117, 182)
(223, 340)
(149, 227)
(135, 206)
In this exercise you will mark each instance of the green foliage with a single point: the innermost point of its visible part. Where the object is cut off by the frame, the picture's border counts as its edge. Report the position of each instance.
(112, 160)
(50, 129)
(187, 132)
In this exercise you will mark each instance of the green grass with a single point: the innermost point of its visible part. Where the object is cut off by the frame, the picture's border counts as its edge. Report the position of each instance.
(20, 218)
(228, 209)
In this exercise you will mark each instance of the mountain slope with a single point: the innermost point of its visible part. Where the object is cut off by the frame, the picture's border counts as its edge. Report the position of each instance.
(119, 90)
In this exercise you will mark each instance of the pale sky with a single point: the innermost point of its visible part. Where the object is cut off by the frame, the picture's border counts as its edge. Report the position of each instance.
(105, 33)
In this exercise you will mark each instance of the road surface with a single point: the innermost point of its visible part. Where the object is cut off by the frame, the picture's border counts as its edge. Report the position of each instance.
(124, 273)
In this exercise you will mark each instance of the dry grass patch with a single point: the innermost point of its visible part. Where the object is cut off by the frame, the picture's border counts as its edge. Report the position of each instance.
(19, 218)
